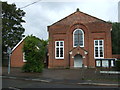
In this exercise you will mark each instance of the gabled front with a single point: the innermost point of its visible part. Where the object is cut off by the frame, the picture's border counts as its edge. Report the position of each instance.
(77, 40)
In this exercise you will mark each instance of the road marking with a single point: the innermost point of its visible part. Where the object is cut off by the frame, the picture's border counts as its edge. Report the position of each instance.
(14, 88)
(40, 80)
(102, 84)
(8, 77)
(12, 77)
(27, 79)
(45, 81)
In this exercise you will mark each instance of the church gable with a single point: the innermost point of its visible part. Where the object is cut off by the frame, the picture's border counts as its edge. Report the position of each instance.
(78, 17)
(79, 39)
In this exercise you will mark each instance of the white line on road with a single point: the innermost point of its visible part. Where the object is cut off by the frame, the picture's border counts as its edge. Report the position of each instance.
(27, 79)
(102, 84)
(14, 88)
(40, 80)
(12, 77)
(45, 81)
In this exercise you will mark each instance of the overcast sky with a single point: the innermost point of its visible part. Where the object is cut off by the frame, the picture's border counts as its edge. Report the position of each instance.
(46, 12)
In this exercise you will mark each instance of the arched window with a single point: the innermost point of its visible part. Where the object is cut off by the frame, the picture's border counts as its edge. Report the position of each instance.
(78, 38)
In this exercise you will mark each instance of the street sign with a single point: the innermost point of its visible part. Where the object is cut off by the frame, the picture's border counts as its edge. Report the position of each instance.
(9, 50)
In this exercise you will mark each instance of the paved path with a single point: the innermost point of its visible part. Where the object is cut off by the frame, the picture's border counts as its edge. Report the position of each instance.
(90, 76)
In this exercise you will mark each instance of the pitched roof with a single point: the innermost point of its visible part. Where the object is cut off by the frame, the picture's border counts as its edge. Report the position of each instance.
(18, 44)
(80, 14)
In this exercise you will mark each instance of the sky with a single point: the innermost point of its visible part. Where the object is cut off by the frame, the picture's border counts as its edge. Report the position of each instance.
(46, 12)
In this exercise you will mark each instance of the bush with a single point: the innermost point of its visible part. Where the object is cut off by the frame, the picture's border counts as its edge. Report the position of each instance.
(33, 67)
(35, 51)
(117, 65)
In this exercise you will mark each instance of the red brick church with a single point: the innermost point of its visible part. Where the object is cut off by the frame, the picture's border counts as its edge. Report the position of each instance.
(75, 41)
(79, 40)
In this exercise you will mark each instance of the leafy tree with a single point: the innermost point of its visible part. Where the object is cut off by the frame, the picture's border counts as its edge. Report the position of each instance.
(117, 65)
(116, 38)
(12, 29)
(35, 53)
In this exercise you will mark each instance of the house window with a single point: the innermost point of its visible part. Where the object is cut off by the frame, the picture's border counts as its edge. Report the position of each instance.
(78, 38)
(59, 49)
(98, 48)
(24, 57)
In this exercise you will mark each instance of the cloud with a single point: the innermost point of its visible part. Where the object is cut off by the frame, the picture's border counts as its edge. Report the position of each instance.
(44, 13)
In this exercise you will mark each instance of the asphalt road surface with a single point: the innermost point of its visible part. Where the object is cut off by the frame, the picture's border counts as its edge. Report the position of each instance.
(17, 84)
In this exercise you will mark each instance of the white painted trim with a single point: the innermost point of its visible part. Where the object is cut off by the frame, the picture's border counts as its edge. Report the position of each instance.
(99, 50)
(111, 29)
(70, 52)
(85, 52)
(83, 37)
(112, 63)
(59, 50)
(18, 44)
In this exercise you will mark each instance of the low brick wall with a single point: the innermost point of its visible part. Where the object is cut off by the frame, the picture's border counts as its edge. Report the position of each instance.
(116, 56)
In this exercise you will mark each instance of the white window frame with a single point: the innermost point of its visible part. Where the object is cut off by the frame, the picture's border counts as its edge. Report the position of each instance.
(59, 49)
(24, 57)
(99, 49)
(73, 37)
(112, 63)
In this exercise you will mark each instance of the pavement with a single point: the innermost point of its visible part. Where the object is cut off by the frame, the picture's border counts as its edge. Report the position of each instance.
(67, 76)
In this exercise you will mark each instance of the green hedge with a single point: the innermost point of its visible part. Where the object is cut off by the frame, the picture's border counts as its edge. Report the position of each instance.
(117, 65)
(35, 53)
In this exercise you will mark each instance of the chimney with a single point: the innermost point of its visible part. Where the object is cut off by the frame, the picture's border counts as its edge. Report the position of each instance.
(77, 10)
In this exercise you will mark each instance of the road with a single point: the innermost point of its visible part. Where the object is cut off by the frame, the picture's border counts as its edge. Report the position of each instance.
(16, 83)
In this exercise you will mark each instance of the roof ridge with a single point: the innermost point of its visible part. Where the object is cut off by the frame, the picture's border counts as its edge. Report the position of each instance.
(94, 17)
(62, 18)
(80, 12)
(18, 43)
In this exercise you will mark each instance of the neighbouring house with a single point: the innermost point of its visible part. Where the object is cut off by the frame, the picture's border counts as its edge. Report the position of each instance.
(80, 40)
(17, 56)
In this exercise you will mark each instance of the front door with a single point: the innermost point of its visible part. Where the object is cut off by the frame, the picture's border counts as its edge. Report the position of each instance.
(78, 60)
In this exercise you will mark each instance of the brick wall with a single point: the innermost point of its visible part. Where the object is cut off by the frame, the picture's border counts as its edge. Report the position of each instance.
(17, 56)
(116, 56)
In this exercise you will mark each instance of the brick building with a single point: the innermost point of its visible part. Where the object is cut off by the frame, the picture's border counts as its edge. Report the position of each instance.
(79, 39)
(76, 40)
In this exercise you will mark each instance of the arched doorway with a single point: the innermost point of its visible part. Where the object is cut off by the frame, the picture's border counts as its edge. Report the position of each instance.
(78, 61)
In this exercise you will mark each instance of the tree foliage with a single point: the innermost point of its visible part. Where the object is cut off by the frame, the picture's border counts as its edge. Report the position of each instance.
(35, 51)
(117, 65)
(12, 29)
(116, 38)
